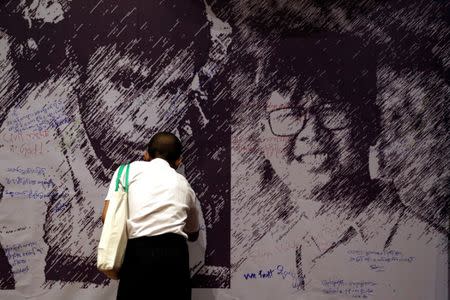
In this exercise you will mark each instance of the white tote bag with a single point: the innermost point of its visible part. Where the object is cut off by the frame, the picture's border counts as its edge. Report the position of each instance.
(113, 241)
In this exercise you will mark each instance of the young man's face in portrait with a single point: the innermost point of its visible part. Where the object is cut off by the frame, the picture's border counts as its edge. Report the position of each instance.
(129, 97)
(312, 131)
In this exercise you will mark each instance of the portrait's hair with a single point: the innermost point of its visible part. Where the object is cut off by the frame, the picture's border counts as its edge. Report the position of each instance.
(38, 45)
(338, 67)
(136, 26)
(165, 145)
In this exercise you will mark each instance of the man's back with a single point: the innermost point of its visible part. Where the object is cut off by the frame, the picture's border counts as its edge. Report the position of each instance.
(160, 200)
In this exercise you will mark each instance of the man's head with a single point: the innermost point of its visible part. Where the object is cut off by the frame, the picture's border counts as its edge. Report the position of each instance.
(320, 112)
(139, 60)
(164, 145)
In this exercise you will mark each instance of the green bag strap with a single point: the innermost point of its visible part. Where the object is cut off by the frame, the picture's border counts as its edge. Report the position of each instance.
(118, 176)
(127, 171)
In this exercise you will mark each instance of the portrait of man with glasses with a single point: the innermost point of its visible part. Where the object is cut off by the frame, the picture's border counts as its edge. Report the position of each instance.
(321, 111)
(320, 199)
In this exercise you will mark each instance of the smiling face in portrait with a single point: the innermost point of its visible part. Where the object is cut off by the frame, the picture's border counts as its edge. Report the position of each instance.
(127, 98)
(312, 135)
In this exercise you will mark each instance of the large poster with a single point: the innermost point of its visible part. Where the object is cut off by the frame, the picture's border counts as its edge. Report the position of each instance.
(315, 136)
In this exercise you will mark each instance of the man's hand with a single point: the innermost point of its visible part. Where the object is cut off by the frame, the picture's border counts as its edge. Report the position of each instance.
(193, 236)
(105, 209)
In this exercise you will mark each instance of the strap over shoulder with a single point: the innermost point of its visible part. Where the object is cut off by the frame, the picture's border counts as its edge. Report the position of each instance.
(119, 175)
(127, 172)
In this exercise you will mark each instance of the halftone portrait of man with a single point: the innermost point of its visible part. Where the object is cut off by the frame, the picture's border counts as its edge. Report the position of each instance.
(126, 74)
(319, 196)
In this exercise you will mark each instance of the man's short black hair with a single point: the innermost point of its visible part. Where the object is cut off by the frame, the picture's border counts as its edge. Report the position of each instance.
(165, 145)
(146, 28)
(336, 65)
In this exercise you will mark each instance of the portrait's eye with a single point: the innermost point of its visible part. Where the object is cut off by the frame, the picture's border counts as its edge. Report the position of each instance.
(126, 83)
(286, 121)
(285, 113)
(172, 87)
(331, 107)
(334, 116)
(124, 79)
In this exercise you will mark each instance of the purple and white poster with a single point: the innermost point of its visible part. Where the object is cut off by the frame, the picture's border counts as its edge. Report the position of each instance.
(315, 135)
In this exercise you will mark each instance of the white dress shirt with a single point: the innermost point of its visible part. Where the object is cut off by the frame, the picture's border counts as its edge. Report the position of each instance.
(160, 200)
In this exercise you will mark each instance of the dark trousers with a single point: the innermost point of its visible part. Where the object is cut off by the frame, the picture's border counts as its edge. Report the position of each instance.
(155, 267)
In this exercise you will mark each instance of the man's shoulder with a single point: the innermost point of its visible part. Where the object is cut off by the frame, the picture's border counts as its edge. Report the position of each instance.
(182, 180)
(137, 163)
(139, 166)
(401, 224)
(413, 230)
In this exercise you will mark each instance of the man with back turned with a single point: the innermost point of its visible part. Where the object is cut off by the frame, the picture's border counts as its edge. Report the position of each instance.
(163, 213)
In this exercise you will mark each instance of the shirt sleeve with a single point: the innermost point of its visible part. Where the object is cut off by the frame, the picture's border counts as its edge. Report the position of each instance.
(112, 186)
(192, 222)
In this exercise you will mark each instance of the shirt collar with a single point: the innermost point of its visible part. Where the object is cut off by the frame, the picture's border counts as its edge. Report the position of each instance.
(378, 220)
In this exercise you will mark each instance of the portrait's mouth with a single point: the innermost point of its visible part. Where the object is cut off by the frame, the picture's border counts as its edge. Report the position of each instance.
(313, 161)
(313, 158)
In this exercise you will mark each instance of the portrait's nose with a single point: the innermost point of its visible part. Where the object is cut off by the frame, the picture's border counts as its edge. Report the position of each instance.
(139, 121)
(309, 132)
(306, 140)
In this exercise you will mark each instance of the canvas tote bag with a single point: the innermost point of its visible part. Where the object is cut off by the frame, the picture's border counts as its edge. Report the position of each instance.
(113, 241)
